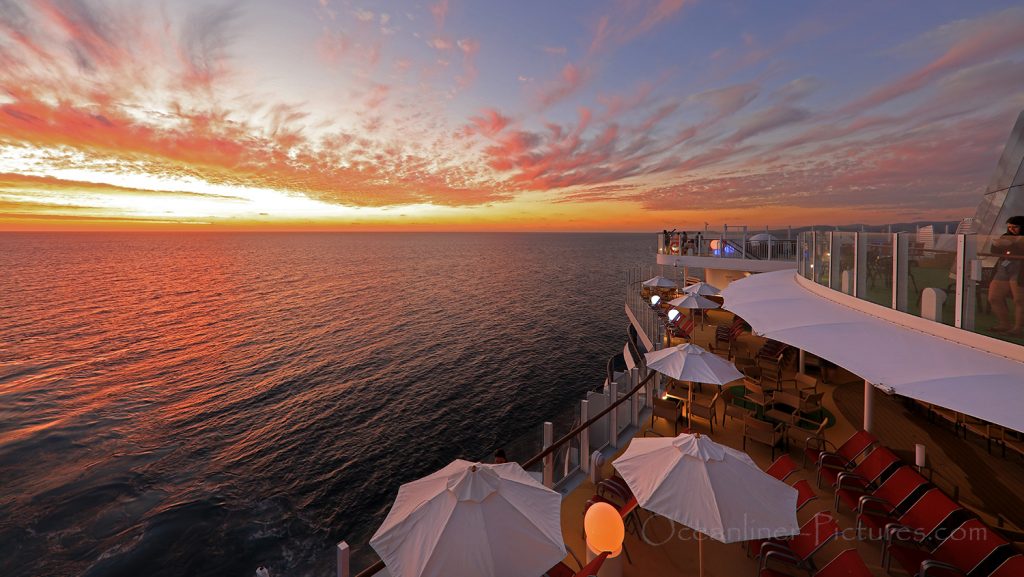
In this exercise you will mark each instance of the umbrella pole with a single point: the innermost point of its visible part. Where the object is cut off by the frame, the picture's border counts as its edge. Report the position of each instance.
(689, 405)
(700, 553)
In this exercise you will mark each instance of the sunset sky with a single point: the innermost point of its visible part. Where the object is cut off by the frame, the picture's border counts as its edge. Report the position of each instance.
(605, 115)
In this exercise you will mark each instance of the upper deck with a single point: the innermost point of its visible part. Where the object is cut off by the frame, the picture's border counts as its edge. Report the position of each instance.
(941, 278)
(729, 249)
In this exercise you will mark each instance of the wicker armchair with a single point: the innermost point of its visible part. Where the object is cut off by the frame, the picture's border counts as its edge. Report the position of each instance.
(762, 432)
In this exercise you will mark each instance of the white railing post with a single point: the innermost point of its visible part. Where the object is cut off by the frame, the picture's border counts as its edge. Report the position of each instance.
(634, 401)
(343, 553)
(966, 252)
(743, 253)
(771, 241)
(613, 415)
(549, 461)
(900, 264)
(585, 437)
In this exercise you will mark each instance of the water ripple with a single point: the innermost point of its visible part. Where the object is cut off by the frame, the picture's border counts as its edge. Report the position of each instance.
(201, 404)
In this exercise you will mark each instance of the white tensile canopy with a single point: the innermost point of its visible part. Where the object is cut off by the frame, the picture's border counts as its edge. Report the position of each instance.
(472, 519)
(659, 282)
(713, 489)
(892, 356)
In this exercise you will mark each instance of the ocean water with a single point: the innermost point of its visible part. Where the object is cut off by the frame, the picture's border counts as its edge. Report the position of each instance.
(200, 404)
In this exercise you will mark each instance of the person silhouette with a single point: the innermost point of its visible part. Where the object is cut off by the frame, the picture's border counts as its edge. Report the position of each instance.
(499, 457)
(1008, 277)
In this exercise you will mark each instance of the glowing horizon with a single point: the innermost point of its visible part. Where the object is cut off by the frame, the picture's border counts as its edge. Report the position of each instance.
(625, 115)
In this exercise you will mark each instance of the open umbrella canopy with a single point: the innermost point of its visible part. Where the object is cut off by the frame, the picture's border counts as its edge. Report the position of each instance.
(472, 519)
(693, 301)
(688, 362)
(659, 282)
(713, 489)
(702, 288)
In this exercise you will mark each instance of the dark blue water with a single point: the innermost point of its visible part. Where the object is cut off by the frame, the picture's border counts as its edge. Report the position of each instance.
(199, 404)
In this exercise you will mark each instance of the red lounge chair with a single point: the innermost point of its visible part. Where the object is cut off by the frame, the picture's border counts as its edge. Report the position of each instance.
(873, 470)
(846, 564)
(804, 493)
(725, 337)
(962, 551)
(782, 468)
(852, 448)
(563, 570)
(593, 567)
(845, 457)
(1012, 567)
(683, 330)
(891, 495)
(919, 521)
(798, 549)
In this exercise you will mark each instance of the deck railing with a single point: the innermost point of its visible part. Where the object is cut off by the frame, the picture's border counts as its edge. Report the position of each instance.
(941, 277)
(738, 243)
(639, 309)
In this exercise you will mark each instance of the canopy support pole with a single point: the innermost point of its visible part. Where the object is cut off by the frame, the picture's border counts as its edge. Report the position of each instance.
(869, 406)
(700, 553)
(802, 363)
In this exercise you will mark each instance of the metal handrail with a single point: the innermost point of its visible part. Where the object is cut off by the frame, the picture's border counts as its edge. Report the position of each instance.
(569, 436)
(379, 565)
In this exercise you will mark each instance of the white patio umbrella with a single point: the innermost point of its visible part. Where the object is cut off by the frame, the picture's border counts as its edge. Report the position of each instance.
(472, 519)
(694, 301)
(659, 282)
(715, 490)
(702, 288)
(688, 362)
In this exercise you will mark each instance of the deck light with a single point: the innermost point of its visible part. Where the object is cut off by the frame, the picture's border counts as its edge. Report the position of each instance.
(604, 529)
(673, 315)
(655, 299)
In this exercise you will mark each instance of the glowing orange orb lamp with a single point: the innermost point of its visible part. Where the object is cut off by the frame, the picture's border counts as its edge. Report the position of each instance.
(604, 529)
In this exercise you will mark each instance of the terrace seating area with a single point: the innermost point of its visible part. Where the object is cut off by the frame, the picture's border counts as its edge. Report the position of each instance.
(890, 517)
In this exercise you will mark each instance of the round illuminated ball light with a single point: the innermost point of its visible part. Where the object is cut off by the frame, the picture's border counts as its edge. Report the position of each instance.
(604, 528)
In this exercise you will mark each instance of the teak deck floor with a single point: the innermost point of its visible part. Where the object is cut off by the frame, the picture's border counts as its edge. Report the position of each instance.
(989, 484)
